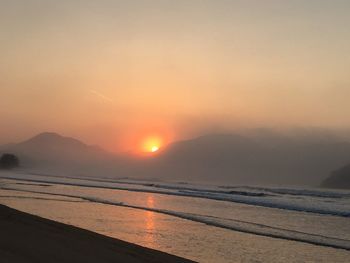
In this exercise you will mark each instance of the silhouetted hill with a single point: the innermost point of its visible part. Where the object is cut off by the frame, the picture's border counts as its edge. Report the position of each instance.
(47, 138)
(49, 146)
(51, 150)
(338, 179)
(251, 159)
(256, 158)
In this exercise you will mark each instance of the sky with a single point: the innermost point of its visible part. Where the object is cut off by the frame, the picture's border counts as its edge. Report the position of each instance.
(113, 72)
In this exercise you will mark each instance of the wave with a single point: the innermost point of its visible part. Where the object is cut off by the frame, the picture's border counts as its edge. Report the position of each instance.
(247, 190)
(230, 224)
(290, 199)
(250, 196)
(298, 192)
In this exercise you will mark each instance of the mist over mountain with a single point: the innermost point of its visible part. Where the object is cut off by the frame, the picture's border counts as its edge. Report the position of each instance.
(51, 145)
(253, 159)
(339, 178)
(50, 151)
(259, 157)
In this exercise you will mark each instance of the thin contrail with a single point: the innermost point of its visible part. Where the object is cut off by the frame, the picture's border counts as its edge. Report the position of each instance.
(101, 95)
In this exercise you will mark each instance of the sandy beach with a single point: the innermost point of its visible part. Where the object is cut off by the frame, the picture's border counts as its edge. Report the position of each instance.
(29, 238)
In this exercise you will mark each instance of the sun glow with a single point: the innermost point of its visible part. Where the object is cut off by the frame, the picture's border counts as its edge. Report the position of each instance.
(152, 144)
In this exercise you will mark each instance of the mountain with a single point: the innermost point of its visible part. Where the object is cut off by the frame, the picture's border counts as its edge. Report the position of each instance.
(250, 159)
(338, 179)
(50, 150)
(50, 145)
(256, 158)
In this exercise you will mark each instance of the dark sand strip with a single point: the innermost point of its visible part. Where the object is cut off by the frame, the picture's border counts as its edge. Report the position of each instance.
(27, 238)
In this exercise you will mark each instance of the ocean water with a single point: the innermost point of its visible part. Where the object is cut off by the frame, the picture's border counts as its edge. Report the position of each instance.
(204, 223)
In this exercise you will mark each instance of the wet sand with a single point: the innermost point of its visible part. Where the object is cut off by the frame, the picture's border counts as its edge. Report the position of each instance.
(28, 238)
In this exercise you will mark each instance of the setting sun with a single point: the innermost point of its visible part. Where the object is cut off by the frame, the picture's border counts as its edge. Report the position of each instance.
(154, 149)
(152, 144)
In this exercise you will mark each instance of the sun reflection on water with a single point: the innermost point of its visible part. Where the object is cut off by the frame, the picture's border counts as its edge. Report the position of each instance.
(150, 226)
(150, 201)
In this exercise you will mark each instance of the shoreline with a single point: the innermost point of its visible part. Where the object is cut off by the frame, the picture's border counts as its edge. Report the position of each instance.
(29, 238)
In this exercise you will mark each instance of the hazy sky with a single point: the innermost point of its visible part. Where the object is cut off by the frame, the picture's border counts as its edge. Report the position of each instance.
(110, 72)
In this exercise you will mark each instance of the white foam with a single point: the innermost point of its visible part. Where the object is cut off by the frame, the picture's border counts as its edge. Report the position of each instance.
(230, 224)
(336, 203)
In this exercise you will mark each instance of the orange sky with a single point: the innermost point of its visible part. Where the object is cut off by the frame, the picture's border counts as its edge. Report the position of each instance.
(110, 72)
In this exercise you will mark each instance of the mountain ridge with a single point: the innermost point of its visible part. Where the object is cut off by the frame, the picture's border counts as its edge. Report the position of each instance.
(339, 179)
(232, 158)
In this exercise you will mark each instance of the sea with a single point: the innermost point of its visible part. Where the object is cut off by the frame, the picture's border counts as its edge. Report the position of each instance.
(202, 222)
